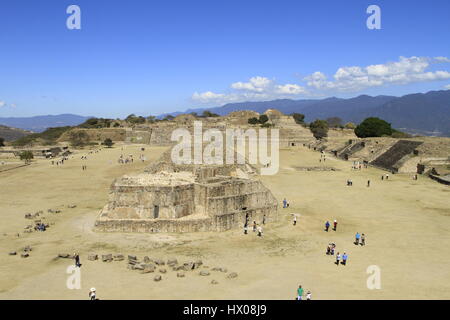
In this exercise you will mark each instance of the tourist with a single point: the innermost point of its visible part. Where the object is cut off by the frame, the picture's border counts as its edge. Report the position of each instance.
(329, 249)
(344, 259)
(327, 226)
(284, 203)
(308, 295)
(299, 293)
(295, 219)
(387, 176)
(260, 231)
(92, 294)
(368, 183)
(264, 219)
(245, 229)
(335, 225)
(76, 256)
(254, 226)
(382, 177)
(363, 239)
(333, 247)
(338, 258)
(357, 237)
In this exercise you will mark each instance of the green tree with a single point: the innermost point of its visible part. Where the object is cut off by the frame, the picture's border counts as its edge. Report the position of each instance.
(373, 127)
(299, 118)
(208, 114)
(108, 142)
(263, 118)
(253, 120)
(319, 129)
(26, 156)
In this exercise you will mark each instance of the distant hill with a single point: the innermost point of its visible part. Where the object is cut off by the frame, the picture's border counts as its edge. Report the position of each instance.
(10, 134)
(40, 123)
(421, 113)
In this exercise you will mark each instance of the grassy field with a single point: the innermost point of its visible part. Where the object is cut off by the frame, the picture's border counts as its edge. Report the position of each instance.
(406, 223)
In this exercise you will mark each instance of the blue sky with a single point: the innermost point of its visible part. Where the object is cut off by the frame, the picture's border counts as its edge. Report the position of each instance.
(151, 57)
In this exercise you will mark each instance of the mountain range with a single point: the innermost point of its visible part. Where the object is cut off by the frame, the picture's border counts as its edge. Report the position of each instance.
(419, 113)
(40, 123)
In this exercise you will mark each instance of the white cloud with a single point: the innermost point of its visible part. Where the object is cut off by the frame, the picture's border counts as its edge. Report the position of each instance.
(255, 89)
(255, 84)
(404, 71)
(346, 79)
(447, 87)
(2, 104)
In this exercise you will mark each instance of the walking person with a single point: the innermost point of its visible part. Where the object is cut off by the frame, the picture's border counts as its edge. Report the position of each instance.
(334, 225)
(338, 258)
(357, 237)
(254, 226)
(260, 231)
(299, 293)
(76, 256)
(363, 239)
(344, 259)
(92, 294)
(327, 226)
(368, 183)
(295, 219)
(308, 295)
(264, 219)
(284, 203)
(245, 229)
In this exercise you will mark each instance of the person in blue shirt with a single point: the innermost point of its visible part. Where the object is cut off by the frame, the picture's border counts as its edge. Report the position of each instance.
(327, 226)
(344, 259)
(284, 203)
(357, 237)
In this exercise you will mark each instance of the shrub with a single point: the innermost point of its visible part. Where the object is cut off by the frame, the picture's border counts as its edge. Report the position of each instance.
(26, 156)
(108, 142)
(373, 127)
(319, 129)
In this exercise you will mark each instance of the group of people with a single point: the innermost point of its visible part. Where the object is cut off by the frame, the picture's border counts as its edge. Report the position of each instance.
(300, 293)
(59, 162)
(327, 225)
(322, 157)
(360, 239)
(331, 248)
(256, 227)
(344, 259)
(126, 160)
(40, 226)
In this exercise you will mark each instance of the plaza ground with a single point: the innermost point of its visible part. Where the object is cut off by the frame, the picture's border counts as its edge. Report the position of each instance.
(406, 223)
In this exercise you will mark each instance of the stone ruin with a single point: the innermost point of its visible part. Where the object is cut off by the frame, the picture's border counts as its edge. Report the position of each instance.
(186, 198)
